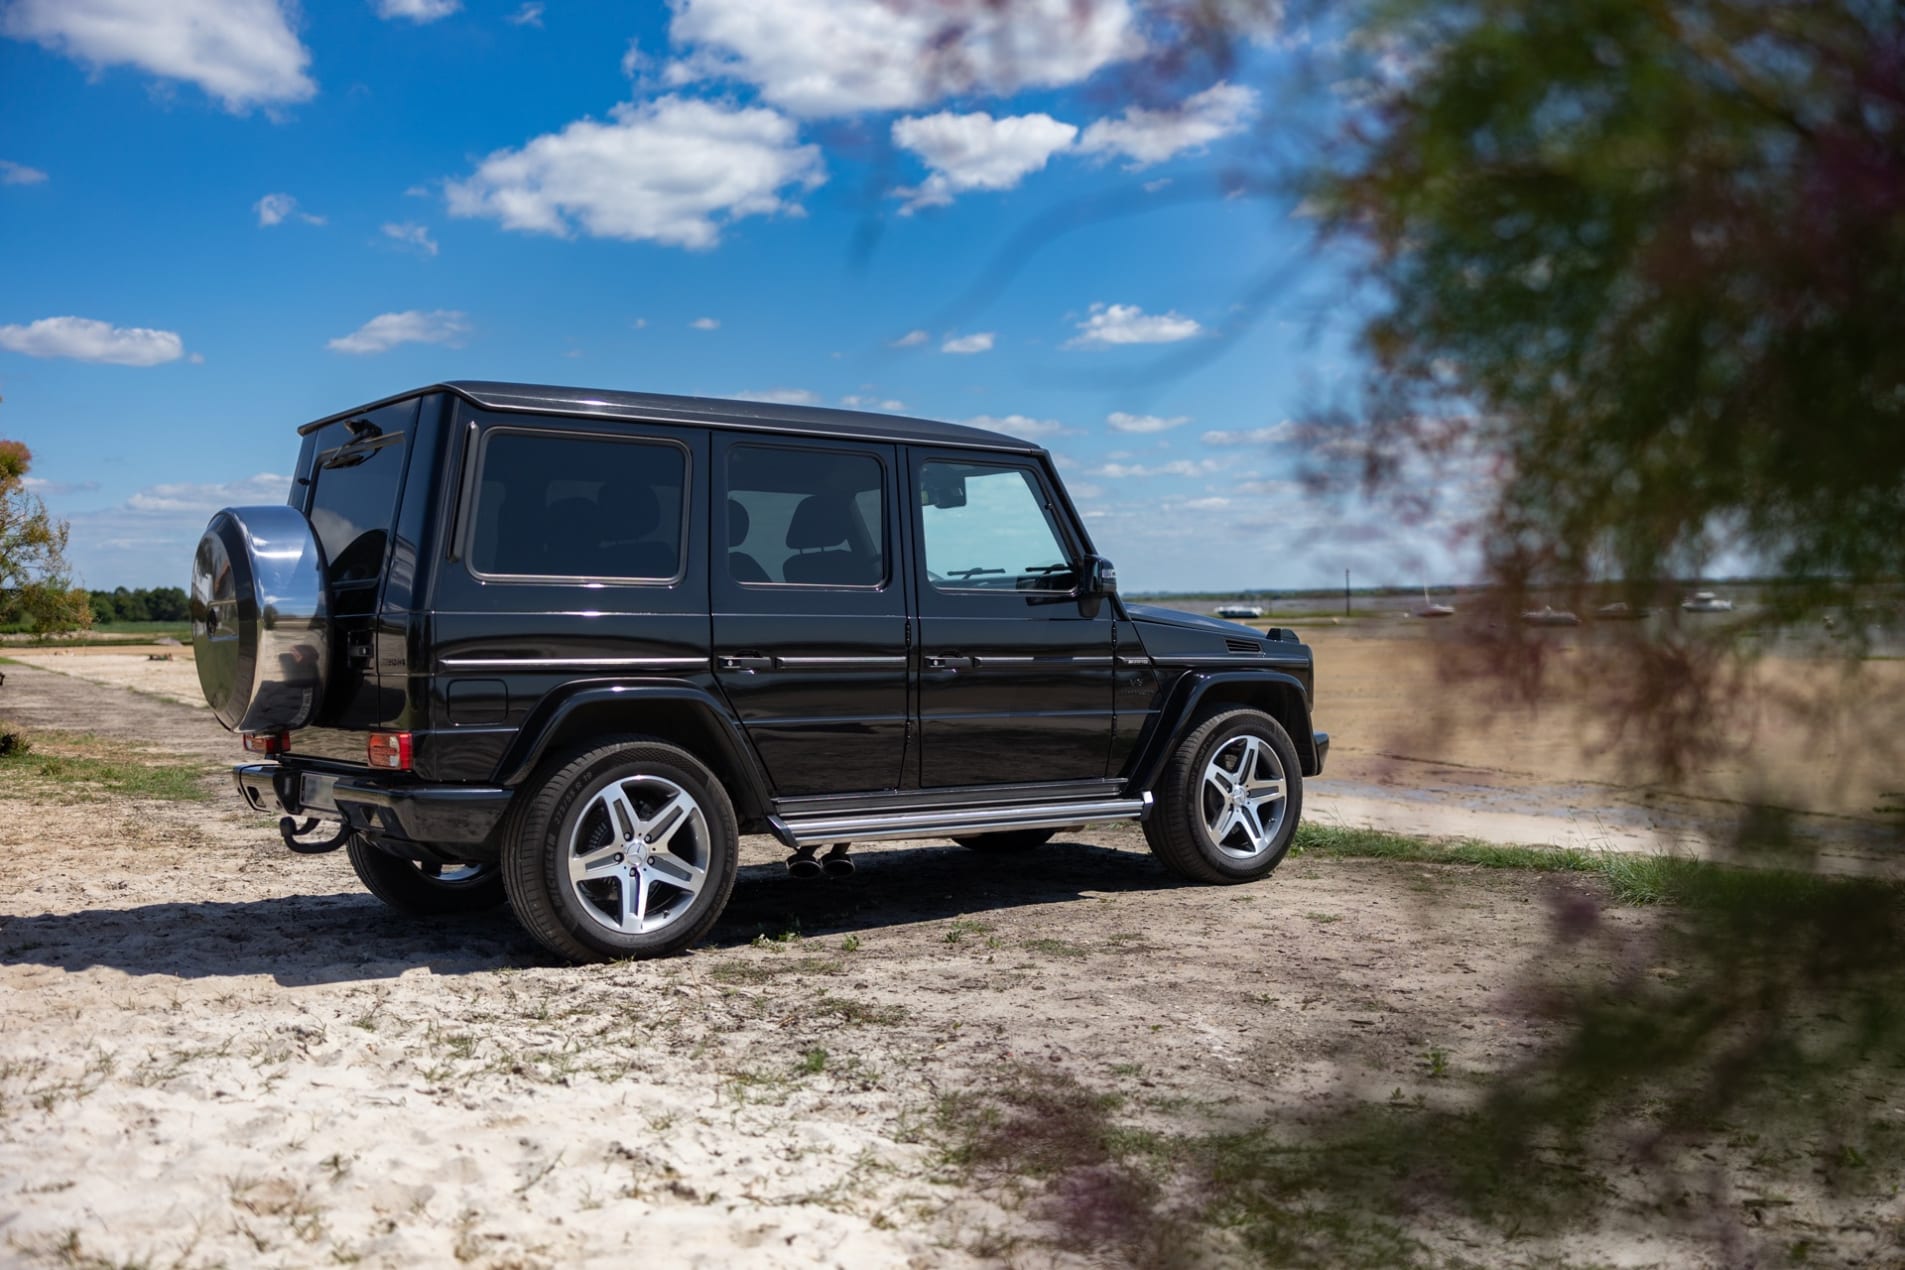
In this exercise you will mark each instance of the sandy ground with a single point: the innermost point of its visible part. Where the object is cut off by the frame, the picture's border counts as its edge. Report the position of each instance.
(216, 1052)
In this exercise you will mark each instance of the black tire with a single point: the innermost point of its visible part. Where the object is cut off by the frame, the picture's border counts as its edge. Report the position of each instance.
(425, 890)
(1007, 841)
(557, 817)
(1177, 828)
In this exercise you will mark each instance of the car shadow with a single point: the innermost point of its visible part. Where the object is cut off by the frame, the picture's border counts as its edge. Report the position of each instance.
(305, 940)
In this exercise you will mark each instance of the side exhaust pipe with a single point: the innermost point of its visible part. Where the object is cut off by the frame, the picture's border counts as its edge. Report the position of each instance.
(802, 864)
(836, 863)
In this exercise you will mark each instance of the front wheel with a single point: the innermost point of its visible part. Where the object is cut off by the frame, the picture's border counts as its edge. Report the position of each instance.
(422, 889)
(1229, 801)
(625, 850)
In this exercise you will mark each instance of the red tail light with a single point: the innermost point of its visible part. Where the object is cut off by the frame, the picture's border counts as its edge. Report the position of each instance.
(390, 751)
(267, 742)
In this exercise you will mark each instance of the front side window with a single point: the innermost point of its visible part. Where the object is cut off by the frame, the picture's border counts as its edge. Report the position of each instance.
(987, 528)
(555, 505)
(805, 517)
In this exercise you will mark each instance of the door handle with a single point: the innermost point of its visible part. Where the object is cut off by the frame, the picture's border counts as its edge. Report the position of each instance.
(744, 661)
(950, 661)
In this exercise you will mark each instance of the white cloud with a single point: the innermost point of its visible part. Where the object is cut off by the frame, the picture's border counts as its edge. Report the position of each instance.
(977, 152)
(208, 498)
(1119, 421)
(12, 173)
(412, 326)
(529, 15)
(242, 52)
(635, 63)
(837, 57)
(1023, 426)
(411, 234)
(1128, 324)
(87, 340)
(1214, 503)
(274, 209)
(670, 170)
(888, 404)
(1270, 434)
(1176, 467)
(912, 339)
(44, 488)
(783, 396)
(1152, 136)
(418, 11)
(978, 342)
(706, 324)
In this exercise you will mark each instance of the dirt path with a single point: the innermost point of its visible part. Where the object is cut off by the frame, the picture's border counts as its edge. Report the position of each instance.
(217, 1052)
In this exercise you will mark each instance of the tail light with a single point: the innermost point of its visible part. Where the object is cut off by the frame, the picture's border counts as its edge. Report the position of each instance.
(267, 742)
(390, 751)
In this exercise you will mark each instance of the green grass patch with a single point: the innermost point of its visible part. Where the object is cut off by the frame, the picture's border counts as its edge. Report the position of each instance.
(76, 768)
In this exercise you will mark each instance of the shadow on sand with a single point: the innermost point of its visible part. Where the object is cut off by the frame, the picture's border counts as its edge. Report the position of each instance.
(301, 940)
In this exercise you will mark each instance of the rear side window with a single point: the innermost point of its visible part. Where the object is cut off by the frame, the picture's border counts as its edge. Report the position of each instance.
(565, 505)
(355, 478)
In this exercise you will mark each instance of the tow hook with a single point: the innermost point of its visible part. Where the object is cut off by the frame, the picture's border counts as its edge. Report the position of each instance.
(289, 829)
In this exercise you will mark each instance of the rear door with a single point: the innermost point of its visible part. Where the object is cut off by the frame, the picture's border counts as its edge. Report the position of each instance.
(1016, 683)
(810, 626)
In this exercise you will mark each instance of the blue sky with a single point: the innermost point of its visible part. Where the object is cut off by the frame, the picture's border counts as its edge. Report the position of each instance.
(224, 217)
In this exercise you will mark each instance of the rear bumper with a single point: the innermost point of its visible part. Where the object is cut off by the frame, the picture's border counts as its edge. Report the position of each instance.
(1322, 752)
(429, 815)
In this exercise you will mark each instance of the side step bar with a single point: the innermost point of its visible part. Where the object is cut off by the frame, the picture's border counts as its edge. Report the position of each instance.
(951, 822)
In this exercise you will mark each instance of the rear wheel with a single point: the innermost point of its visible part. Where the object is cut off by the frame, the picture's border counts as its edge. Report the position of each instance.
(425, 890)
(1007, 840)
(1229, 800)
(624, 850)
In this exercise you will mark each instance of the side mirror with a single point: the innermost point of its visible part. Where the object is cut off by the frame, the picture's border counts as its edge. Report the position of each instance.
(1100, 580)
(942, 489)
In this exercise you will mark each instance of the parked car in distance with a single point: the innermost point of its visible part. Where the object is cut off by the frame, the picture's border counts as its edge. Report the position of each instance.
(562, 647)
(1239, 610)
(1705, 602)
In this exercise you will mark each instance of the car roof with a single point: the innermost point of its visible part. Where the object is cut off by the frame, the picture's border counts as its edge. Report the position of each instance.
(715, 412)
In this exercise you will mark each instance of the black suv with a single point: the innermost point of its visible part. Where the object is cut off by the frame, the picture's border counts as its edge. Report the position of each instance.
(564, 647)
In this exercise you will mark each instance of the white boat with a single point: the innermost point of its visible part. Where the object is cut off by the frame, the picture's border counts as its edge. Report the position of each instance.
(1619, 611)
(1705, 602)
(1548, 615)
(1239, 610)
(1431, 609)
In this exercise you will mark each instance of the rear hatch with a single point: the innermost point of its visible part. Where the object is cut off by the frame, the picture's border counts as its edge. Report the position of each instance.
(351, 474)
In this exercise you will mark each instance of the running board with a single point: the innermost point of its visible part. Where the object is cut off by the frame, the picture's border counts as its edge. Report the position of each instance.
(952, 822)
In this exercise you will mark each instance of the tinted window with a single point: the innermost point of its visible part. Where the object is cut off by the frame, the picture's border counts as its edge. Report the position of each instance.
(550, 505)
(814, 517)
(987, 528)
(354, 497)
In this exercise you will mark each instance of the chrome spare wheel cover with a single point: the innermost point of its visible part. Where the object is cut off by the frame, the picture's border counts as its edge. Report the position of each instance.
(1244, 797)
(638, 855)
(260, 629)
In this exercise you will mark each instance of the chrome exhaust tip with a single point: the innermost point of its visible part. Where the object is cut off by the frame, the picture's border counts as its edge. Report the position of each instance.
(803, 865)
(836, 863)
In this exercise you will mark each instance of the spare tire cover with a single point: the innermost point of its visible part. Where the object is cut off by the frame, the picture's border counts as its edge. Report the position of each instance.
(260, 624)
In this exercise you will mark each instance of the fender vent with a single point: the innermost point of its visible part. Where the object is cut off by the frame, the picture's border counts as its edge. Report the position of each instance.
(1248, 647)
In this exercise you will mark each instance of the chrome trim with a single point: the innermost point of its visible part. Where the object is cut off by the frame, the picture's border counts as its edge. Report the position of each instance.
(260, 623)
(946, 822)
(841, 661)
(567, 663)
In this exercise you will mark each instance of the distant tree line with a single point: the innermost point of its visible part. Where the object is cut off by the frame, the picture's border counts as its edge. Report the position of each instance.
(153, 604)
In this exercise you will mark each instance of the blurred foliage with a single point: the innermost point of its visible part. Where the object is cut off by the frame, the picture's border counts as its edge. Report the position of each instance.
(1646, 259)
(35, 587)
(143, 604)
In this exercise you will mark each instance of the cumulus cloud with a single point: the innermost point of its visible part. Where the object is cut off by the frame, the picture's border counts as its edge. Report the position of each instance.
(1176, 467)
(1023, 426)
(412, 326)
(858, 402)
(12, 173)
(978, 342)
(1145, 137)
(839, 57)
(706, 324)
(274, 209)
(976, 151)
(1119, 421)
(208, 498)
(1109, 324)
(411, 234)
(418, 11)
(670, 170)
(782, 396)
(243, 52)
(912, 339)
(1286, 430)
(88, 340)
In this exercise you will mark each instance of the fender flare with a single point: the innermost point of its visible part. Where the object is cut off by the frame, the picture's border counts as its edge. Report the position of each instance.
(619, 703)
(1186, 698)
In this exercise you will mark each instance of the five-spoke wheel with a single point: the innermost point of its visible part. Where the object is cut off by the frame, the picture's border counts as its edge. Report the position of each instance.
(622, 850)
(1229, 799)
